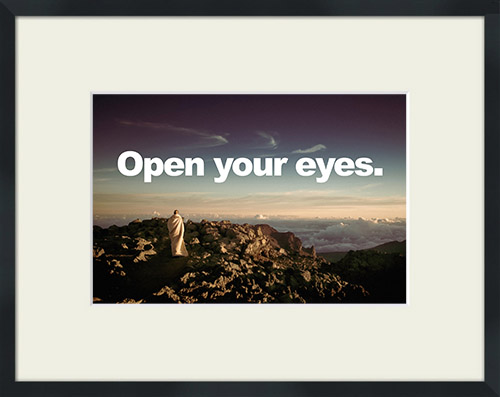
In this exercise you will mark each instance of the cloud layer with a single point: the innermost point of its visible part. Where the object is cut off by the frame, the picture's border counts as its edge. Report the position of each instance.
(353, 234)
(339, 234)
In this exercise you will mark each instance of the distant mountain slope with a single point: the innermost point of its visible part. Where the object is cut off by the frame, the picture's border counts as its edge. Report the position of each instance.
(397, 247)
(382, 274)
(381, 270)
(392, 247)
(332, 256)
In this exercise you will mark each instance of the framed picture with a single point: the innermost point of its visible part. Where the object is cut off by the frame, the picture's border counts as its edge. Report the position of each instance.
(317, 185)
(265, 216)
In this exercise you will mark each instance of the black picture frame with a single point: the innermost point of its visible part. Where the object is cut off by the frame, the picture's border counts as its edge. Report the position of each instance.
(10, 9)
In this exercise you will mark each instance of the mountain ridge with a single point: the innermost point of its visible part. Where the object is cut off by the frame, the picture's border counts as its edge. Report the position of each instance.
(390, 247)
(228, 263)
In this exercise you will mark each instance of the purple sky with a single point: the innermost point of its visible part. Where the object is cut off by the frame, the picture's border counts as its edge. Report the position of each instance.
(251, 126)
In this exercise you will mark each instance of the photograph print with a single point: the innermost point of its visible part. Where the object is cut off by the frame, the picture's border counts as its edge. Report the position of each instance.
(249, 198)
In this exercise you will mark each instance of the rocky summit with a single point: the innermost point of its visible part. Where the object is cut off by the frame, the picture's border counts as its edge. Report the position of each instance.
(227, 263)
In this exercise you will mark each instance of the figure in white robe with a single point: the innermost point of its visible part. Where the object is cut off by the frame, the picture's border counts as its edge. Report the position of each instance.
(176, 232)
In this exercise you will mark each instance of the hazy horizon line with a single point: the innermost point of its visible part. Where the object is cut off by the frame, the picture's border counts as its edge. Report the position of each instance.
(126, 219)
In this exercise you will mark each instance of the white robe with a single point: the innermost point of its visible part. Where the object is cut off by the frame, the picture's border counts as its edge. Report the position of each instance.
(176, 232)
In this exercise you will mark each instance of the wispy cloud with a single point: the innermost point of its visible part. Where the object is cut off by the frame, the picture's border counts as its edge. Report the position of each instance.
(315, 148)
(204, 138)
(101, 170)
(267, 140)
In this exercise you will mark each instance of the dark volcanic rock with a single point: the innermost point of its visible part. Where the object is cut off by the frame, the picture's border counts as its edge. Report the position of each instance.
(382, 274)
(228, 263)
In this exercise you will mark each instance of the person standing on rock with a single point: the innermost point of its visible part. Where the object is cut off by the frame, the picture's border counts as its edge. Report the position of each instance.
(176, 231)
